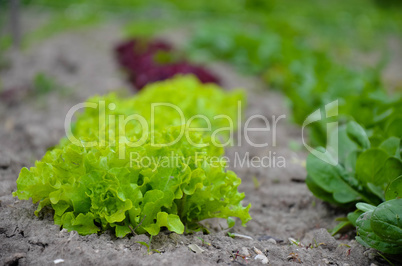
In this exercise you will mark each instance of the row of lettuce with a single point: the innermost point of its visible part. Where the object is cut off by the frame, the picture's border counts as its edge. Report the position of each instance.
(369, 169)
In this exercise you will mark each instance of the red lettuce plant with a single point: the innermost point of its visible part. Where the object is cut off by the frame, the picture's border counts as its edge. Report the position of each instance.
(149, 61)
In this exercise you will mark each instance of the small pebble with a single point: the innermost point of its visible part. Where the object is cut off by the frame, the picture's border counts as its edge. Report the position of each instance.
(271, 240)
(195, 248)
(262, 258)
(57, 261)
(369, 254)
(257, 251)
(242, 236)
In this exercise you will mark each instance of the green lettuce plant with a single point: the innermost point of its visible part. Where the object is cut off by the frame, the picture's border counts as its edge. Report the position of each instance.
(123, 184)
(369, 173)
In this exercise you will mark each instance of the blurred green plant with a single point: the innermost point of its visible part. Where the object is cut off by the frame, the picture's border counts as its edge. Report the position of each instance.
(308, 53)
(44, 84)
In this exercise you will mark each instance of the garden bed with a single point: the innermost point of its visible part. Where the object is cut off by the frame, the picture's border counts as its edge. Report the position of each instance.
(282, 205)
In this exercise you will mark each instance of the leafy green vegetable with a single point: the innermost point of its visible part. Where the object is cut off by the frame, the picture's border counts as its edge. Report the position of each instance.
(381, 228)
(369, 172)
(115, 183)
